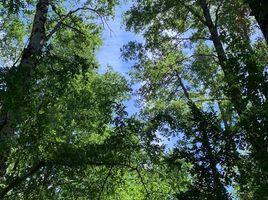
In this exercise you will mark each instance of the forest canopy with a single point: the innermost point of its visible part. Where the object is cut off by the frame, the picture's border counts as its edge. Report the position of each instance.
(202, 76)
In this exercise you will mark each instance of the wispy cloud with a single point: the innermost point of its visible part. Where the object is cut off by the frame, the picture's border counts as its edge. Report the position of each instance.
(114, 37)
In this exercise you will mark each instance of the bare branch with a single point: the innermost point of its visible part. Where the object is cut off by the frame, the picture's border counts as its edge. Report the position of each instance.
(68, 15)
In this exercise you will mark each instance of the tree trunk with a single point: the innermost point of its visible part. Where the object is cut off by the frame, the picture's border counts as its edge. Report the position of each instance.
(19, 78)
(203, 124)
(260, 145)
(229, 74)
(37, 40)
(259, 10)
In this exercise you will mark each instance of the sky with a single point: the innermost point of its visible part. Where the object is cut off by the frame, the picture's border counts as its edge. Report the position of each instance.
(114, 37)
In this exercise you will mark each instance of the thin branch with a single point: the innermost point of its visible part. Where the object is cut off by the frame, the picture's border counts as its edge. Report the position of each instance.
(19, 57)
(194, 12)
(142, 181)
(104, 183)
(185, 91)
(93, 163)
(20, 179)
(114, 165)
(73, 28)
(17, 181)
(211, 99)
(217, 13)
(187, 38)
(68, 15)
(55, 9)
(193, 56)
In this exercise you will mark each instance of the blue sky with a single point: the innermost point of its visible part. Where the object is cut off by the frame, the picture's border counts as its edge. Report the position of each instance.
(114, 37)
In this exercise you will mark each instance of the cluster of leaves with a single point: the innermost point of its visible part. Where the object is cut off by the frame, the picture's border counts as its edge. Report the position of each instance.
(204, 80)
(64, 131)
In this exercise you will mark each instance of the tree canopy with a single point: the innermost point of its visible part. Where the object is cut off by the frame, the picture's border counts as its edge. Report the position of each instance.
(203, 81)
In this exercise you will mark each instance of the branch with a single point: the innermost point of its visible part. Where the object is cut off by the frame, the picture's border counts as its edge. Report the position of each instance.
(19, 180)
(142, 181)
(104, 183)
(217, 13)
(96, 163)
(212, 99)
(69, 14)
(187, 38)
(73, 28)
(194, 12)
(185, 91)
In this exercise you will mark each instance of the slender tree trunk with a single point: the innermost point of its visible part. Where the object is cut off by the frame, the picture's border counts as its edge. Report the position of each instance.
(256, 137)
(259, 10)
(218, 186)
(19, 78)
(229, 73)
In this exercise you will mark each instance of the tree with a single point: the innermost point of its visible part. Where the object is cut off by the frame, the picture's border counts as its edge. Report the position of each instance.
(219, 63)
(259, 11)
(64, 130)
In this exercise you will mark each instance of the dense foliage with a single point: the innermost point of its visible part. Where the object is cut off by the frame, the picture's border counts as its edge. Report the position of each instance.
(64, 130)
(202, 69)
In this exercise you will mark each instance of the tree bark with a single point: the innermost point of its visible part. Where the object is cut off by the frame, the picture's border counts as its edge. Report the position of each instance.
(18, 82)
(37, 39)
(259, 10)
(19, 78)
(229, 73)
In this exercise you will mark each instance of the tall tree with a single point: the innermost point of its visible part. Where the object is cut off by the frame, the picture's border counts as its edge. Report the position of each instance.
(64, 130)
(230, 70)
(259, 11)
